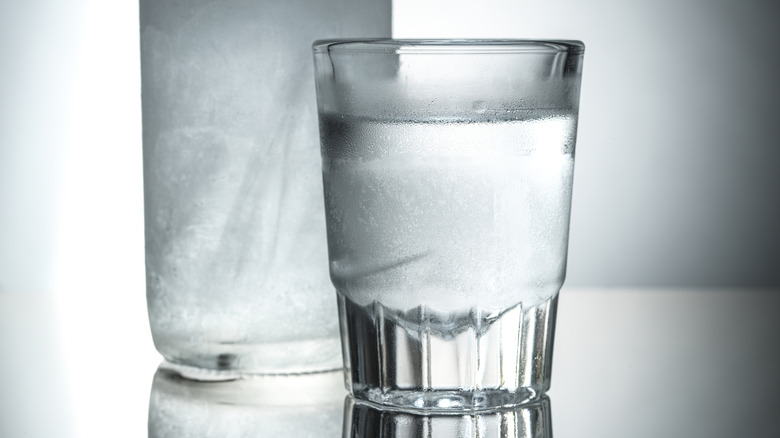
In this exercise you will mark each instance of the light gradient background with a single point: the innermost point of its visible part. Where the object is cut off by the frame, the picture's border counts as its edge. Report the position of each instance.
(676, 182)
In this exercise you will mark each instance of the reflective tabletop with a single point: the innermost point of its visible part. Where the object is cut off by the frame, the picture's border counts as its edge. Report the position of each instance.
(627, 363)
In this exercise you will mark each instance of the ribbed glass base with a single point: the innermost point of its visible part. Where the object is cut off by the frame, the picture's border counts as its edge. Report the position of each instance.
(470, 360)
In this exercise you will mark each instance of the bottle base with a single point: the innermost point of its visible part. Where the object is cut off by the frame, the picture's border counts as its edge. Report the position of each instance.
(232, 361)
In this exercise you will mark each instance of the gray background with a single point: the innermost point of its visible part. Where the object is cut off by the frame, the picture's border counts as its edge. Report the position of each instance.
(677, 181)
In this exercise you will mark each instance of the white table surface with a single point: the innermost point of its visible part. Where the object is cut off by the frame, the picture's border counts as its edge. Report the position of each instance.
(627, 363)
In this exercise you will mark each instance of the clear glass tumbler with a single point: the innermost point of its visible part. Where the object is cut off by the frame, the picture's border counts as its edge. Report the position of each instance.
(447, 169)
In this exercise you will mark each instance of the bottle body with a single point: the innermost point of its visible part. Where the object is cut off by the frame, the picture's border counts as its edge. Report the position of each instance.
(236, 257)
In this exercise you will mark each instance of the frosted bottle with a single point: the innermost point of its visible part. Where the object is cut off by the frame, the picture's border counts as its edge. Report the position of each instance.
(236, 258)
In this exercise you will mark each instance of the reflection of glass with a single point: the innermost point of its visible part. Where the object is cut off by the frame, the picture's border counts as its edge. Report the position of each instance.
(530, 420)
(305, 405)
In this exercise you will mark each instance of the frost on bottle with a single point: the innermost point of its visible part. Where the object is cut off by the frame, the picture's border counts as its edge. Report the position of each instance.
(459, 229)
(236, 258)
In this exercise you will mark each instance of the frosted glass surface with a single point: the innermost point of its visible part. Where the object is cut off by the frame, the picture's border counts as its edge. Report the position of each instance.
(237, 270)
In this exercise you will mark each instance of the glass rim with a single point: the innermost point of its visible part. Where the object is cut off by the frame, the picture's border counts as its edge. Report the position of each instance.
(446, 46)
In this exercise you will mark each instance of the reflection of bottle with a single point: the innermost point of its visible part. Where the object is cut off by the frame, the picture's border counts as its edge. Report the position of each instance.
(530, 420)
(236, 259)
(296, 406)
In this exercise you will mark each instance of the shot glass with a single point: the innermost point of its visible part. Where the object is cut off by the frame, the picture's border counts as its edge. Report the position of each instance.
(447, 169)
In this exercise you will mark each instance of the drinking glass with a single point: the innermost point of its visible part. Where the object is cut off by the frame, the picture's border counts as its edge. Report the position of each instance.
(447, 169)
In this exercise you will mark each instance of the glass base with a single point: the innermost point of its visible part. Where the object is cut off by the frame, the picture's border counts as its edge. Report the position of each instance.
(445, 401)
(470, 360)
